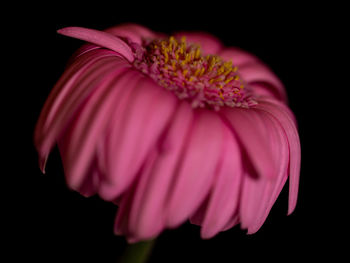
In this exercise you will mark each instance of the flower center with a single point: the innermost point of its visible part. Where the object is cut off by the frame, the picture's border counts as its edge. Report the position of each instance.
(206, 81)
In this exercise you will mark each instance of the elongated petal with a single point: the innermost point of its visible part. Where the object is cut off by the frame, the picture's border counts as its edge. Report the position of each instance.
(106, 149)
(254, 190)
(198, 217)
(234, 220)
(80, 85)
(197, 168)
(132, 31)
(290, 129)
(69, 76)
(259, 73)
(64, 101)
(91, 181)
(91, 184)
(63, 86)
(279, 106)
(251, 133)
(224, 200)
(264, 90)
(248, 63)
(147, 213)
(121, 226)
(208, 43)
(90, 125)
(282, 158)
(99, 38)
(257, 191)
(137, 131)
(255, 211)
(84, 49)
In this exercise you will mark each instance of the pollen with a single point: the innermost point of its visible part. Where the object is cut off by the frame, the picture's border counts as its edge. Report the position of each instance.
(205, 80)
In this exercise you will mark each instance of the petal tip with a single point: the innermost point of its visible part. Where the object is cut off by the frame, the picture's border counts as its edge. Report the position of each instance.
(65, 30)
(291, 209)
(251, 231)
(207, 234)
(42, 163)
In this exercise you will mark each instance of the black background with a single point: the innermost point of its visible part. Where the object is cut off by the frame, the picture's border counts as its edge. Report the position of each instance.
(51, 222)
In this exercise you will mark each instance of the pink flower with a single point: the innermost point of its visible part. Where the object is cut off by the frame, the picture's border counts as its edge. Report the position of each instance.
(171, 129)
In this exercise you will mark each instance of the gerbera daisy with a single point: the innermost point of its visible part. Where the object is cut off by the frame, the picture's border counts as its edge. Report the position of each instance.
(171, 129)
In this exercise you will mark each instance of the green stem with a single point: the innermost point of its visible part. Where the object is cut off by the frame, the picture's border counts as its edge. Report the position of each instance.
(137, 253)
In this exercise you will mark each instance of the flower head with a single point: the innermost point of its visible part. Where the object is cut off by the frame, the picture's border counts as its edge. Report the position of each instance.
(171, 129)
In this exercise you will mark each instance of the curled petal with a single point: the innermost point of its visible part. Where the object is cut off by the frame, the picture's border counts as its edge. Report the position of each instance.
(80, 79)
(83, 50)
(289, 127)
(89, 126)
(131, 31)
(279, 106)
(259, 194)
(99, 38)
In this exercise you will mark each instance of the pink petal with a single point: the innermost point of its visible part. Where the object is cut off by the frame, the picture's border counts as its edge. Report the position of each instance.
(99, 38)
(232, 222)
(256, 209)
(196, 170)
(208, 43)
(280, 105)
(106, 151)
(52, 99)
(91, 181)
(238, 56)
(132, 31)
(255, 72)
(69, 93)
(251, 133)
(224, 200)
(288, 123)
(147, 213)
(89, 126)
(254, 195)
(83, 50)
(91, 184)
(261, 89)
(80, 84)
(135, 131)
(121, 226)
(69, 77)
(198, 217)
(259, 73)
